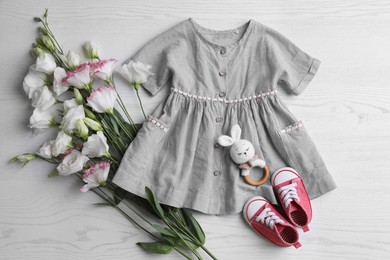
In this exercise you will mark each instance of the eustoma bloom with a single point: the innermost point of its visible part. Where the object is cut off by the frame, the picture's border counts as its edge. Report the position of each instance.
(72, 163)
(96, 175)
(103, 69)
(135, 72)
(41, 120)
(62, 143)
(79, 78)
(46, 150)
(45, 63)
(59, 86)
(71, 117)
(102, 100)
(33, 80)
(96, 146)
(43, 98)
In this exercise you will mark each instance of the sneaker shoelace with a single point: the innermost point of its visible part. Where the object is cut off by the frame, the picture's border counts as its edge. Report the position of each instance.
(269, 218)
(288, 193)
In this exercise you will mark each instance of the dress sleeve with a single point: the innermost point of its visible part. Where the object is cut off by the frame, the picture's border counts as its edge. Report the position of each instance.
(293, 67)
(156, 53)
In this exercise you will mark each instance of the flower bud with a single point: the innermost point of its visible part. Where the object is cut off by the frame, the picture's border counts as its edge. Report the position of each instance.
(91, 50)
(23, 158)
(94, 125)
(73, 59)
(89, 113)
(82, 129)
(79, 98)
(48, 43)
(36, 52)
(42, 30)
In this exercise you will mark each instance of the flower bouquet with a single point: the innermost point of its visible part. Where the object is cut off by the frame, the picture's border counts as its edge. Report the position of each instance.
(76, 95)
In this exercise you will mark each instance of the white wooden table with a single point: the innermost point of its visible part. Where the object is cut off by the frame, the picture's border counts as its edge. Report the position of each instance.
(345, 109)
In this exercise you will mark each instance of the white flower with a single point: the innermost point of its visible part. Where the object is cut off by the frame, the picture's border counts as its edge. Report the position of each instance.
(69, 121)
(96, 175)
(69, 104)
(46, 150)
(59, 87)
(33, 80)
(79, 78)
(74, 59)
(62, 143)
(42, 120)
(96, 146)
(103, 69)
(102, 100)
(45, 63)
(91, 50)
(43, 98)
(135, 72)
(72, 163)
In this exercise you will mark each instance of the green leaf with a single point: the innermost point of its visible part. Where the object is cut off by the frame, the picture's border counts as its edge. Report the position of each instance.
(173, 241)
(194, 226)
(119, 195)
(114, 124)
(154, 203)
(164, 231)
(156, 247)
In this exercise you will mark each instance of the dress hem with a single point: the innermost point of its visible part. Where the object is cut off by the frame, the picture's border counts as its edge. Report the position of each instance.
(202, 203)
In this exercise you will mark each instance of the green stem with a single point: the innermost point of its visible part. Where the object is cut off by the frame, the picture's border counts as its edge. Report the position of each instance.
(182, 253)
(140, 102)
(123, 127)
(208, 252)
(122, 105)
(182, 239)
(197, 242)
(131, 208)
(132, 220)
(46, 25)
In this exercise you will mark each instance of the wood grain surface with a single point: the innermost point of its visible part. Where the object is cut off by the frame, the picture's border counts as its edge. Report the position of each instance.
(345, 109)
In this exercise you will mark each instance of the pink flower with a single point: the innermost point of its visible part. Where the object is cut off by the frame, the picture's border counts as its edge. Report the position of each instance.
(103, 69)
(102, 100)
(96, 175)
(79, 78)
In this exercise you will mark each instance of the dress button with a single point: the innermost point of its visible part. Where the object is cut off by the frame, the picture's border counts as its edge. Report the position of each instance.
(222, 51)
(221, 94)
(216, 173)
(222, 73)
(219, 119)
(217, 145)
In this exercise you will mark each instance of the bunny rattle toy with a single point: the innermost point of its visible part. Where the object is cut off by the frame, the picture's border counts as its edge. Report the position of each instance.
(243, 153)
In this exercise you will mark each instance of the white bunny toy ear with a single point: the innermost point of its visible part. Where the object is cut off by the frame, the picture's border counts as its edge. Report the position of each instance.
(236, 132)
(225, 140)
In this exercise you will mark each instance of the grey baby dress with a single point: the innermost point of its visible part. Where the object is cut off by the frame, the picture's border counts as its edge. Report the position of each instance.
(219, 78)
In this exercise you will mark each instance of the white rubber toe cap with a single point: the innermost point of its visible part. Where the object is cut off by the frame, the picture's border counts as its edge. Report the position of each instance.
(283, 175)
(252, 206)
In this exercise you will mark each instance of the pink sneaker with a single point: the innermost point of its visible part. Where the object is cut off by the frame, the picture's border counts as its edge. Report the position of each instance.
(293, 198)
(263, 217)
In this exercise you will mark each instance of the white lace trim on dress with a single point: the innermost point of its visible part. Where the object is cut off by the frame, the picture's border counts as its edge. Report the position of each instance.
(224, 100)
(158, 123)
(291, 127)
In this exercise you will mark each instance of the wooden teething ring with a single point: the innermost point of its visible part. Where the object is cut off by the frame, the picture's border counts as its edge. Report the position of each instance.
(261, 181)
